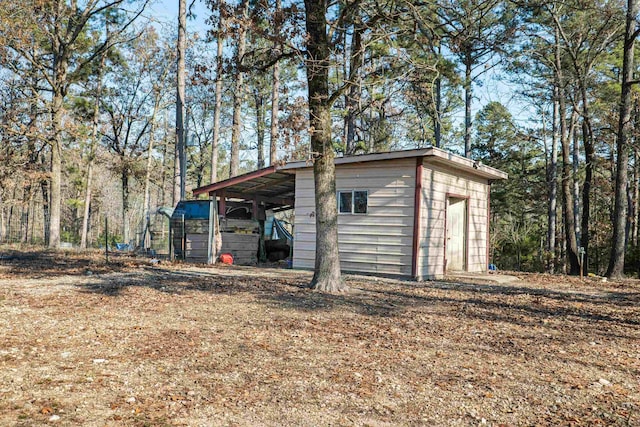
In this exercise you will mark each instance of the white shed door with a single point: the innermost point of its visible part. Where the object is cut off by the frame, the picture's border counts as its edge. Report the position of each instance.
(456, 233)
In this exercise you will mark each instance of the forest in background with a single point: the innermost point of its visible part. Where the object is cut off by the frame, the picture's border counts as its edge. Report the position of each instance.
(88, 112)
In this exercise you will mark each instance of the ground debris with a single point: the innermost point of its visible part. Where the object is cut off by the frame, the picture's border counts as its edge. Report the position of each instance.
(138, 343)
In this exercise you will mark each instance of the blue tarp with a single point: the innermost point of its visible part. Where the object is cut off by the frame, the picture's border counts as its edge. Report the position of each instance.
(279, 232)
(192, 209)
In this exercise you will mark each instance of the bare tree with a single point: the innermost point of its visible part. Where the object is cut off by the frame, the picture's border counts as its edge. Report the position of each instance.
(327, 275)
(275, 89)
(92, 154)
(220, 36)
(62, 29)
(242, 21)
(180, 177)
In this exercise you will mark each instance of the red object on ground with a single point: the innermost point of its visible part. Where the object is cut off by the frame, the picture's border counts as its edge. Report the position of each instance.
(226, 259)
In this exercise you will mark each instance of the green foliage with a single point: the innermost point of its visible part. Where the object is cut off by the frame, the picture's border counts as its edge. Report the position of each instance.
(69, 236)
(517, 203)
(112, 239)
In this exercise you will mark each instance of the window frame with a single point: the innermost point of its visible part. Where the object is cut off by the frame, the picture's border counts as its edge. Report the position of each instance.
(353, 199)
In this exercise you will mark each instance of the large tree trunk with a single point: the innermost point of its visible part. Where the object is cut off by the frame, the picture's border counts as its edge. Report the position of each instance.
(162, 190)
(618, 246)
(467, 107)
(633, 214)
(437, 123)
(55, 189)
(181, 169)
(84, 232)
(589, 158)
(46, 211)
(26, 202)
(90, 160)
(238, 92)
(568, 211)
(354, 93)
(218, 95)
(260, 128)
(327, 275)
(567, 192)
(125, 205)
(275, 91)
(145, 240)
(553, 187)
(575, 163)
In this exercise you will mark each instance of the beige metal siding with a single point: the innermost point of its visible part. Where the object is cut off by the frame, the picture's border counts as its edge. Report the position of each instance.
(378, 242)
(437, 182)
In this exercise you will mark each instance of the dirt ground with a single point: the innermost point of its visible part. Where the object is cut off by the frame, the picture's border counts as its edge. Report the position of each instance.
(136, 343)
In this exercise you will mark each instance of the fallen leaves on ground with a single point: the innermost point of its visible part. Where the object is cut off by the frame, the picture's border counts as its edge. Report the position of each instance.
(167, 344)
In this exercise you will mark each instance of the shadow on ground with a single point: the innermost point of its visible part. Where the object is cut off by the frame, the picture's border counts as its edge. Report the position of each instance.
(523, 303)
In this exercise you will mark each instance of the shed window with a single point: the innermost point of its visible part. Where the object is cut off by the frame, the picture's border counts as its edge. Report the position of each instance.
(353, 202)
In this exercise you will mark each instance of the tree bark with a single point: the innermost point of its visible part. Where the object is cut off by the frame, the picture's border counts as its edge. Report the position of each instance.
(55, 190)
(568, 211)
(575, 163)
(87, 199)
(46, 211)
(467, 107)
(125, 205)
(218, 94)
(275, 91)
(437, 123)
(618, 246)
(59, 85)
(146, 202)
(92, 154)
(260, 128)
(181, 169)
(162, 197)
(553, 187)
(354, 93)
(636, 198)
(327, 275)
(238, 92)
(589, 158)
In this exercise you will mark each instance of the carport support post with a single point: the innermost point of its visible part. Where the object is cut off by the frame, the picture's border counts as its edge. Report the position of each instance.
(213, 212)
(183, 241)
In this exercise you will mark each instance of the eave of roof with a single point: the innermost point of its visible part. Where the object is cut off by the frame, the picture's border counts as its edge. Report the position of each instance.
(211, 188)
(433, 154)
(269, 186)
(275, 182)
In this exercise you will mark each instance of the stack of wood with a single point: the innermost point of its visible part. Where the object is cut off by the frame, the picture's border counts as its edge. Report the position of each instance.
(240, 238)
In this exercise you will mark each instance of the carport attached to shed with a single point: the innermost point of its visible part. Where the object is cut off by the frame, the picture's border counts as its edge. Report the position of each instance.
(265, 189)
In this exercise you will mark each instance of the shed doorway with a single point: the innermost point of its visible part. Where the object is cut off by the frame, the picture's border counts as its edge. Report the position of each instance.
(456, 234)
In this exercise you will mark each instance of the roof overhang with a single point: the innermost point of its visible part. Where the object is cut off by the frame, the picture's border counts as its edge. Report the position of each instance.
(473, 167)
(274, 186)
(431, 155)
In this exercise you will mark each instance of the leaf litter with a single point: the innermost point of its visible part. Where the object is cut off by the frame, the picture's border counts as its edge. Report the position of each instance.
(141, 343)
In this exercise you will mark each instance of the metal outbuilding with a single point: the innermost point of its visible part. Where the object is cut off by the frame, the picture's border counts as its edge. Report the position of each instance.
(418, 213)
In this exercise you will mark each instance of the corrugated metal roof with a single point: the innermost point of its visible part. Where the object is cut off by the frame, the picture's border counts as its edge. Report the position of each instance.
(270, 185)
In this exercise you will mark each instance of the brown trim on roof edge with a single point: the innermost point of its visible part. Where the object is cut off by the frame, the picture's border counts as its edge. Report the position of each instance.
(235, 180)
(417, 204)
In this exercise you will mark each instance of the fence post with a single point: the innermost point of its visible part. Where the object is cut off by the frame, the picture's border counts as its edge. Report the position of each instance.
(106, 239)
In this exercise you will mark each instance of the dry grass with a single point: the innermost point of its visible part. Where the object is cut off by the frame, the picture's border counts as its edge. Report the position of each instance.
(84, 343)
